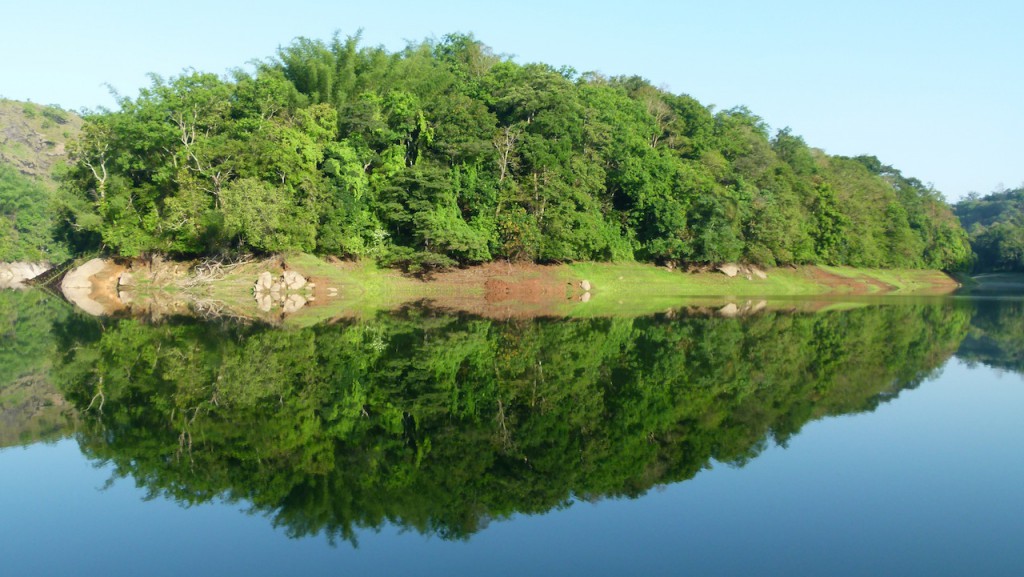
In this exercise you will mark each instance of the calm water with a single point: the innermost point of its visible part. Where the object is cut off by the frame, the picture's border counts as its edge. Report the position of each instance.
(875, 440)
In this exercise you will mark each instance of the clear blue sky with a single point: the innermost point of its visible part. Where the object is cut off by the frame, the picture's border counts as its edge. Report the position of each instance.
(935, 88)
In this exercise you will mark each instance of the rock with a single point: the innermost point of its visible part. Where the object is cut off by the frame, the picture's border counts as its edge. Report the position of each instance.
(81, 277)
(16, 274)
(758, 272)
(760, 306)
(264, 282)
(585, 285)
(80, 297)
(293, 303)
(93, 286)
(729, 310)
(585, 298)
(730, 270)
(293, 281)
(275, 287)
(126, 279)
(264, 302)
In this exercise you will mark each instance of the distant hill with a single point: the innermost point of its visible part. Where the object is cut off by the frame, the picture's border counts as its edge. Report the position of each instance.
(33, 137)
(995, 224)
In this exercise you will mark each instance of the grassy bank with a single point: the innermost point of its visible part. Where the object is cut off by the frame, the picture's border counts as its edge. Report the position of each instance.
(510, 290)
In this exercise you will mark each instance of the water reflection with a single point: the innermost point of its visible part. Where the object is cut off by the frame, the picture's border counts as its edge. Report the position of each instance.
(441, 423)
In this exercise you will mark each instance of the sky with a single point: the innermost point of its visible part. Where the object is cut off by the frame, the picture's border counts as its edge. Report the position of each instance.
(935, 89)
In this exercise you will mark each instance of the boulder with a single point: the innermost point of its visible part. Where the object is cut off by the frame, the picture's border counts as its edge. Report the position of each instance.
(729, 310)
(264, 302)
(15, 274)
(81, 277)
(293, 303)
(93, 287)
(730, 270)
(585, 285)
(758, 273)
(585, 298)
(11, 276)
(293, 281)
(126, 280)
(264, 282)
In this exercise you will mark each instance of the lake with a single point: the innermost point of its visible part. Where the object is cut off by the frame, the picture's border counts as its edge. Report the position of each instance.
(880, 437)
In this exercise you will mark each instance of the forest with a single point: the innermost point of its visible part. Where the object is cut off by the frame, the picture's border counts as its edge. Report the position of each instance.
(446, 154)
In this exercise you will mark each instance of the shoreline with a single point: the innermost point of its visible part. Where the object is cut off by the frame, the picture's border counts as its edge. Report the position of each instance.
(302, 289)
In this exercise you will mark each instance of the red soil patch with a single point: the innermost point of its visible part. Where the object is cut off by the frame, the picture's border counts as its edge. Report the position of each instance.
(505, 290)
(844, 285)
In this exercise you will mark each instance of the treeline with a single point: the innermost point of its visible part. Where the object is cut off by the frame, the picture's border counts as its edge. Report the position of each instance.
(445, 153)
(995, 224)
(440, 423)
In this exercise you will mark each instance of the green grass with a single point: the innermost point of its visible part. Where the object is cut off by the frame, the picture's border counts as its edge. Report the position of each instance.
(636, 280)
(618, 289)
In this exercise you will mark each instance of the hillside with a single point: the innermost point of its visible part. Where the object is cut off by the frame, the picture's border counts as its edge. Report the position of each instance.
(33, 142)
(33, 138)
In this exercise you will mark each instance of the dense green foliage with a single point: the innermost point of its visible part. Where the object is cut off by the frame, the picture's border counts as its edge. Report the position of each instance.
(441, 423)
(996, 227)
(26, 227)
(996, 337)
(28, 347)
(445, 153)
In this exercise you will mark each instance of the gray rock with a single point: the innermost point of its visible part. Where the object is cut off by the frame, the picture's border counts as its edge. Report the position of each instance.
(585, 285)
(264, 282)
(264, 302)
(80, 277)
(126, 280)
(15, 274)
(293, 303)
(293, 281)
(729, 310)
(730, 270)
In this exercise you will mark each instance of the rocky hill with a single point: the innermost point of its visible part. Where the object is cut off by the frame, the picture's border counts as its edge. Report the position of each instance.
(33, 137)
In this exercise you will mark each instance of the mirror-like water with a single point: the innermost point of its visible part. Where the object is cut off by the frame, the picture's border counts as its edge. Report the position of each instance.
(877, 439)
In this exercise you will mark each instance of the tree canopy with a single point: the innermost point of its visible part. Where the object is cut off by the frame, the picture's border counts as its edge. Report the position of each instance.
(445, 153)
(996, 226)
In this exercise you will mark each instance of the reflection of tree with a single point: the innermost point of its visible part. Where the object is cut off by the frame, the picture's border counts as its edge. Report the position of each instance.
(457, 420)
(996, 337)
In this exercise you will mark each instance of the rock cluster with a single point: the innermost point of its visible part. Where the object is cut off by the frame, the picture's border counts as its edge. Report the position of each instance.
(283, 291)
(748, 308)
(748, 270)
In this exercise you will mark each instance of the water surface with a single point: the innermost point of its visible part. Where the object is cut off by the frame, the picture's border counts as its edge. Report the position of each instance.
(875, 440)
